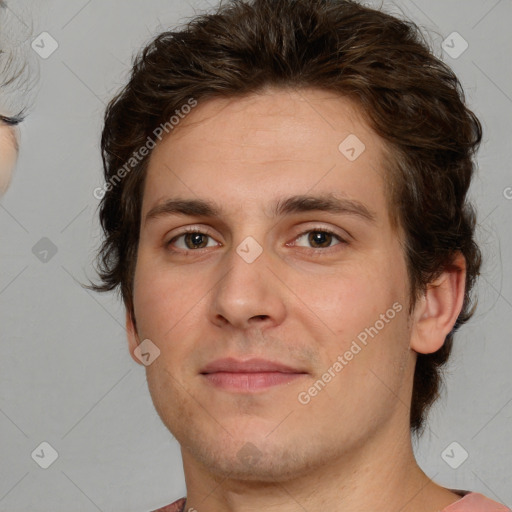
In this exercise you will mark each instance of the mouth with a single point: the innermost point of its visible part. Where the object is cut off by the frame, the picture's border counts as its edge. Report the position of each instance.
(249, 376)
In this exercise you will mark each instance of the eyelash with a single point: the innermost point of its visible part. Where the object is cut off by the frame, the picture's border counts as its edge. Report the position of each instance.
(317, 229)
(11, 121)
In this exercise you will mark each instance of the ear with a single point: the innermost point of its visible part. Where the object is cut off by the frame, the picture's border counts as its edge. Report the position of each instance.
(436, 312)
(133, 337)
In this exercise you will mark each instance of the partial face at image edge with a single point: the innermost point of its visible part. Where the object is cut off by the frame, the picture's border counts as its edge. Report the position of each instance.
(8, 151)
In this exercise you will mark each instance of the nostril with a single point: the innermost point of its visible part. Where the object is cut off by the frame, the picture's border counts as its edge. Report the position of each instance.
(261, 317)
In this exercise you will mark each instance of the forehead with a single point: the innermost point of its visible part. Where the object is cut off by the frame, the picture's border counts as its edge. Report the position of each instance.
(241, 150)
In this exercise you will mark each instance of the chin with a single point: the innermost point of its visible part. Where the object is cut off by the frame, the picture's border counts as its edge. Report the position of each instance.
(257, 458)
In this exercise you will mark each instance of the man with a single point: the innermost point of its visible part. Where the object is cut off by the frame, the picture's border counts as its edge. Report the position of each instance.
(285, 213)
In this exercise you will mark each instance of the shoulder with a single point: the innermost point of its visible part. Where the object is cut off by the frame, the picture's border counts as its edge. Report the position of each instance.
(176, 506)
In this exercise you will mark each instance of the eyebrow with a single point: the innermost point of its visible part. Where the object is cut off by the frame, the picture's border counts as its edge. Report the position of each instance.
(283, 206)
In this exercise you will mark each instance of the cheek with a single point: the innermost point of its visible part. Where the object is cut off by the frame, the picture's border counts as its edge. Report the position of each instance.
(164, 314)
(165, 301)
(7, 157)
(350, 298)
(359, 312)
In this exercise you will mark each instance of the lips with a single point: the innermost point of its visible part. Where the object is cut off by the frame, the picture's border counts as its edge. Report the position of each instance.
(250, 376)
(254, 365)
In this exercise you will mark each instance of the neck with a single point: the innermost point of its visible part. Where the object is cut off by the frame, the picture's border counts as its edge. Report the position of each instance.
(381, 475)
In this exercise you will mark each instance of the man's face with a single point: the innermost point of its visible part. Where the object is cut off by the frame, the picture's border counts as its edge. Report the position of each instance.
(8, 155)
(303, 301)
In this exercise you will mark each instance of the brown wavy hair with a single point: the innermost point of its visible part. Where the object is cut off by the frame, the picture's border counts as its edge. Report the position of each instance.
(409, 96)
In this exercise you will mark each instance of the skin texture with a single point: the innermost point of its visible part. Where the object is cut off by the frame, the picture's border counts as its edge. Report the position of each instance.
(8, 155)
(299, 303)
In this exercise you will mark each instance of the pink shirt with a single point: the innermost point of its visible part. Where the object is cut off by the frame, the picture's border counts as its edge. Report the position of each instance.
(470, 502)
(475, 502)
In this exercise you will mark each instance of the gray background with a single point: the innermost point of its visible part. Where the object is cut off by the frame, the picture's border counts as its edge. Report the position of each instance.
(65, 373)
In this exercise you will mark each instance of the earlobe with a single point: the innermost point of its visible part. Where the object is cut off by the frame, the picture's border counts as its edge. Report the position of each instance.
(436, 312)
(133, 337)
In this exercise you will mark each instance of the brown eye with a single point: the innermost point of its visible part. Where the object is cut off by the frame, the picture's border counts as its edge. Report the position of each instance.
(190, 240)
(196, 240)
(320, 238)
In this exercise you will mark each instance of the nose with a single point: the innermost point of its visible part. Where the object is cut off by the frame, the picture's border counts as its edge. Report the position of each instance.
(249, 295)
